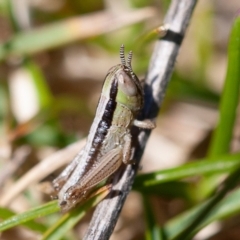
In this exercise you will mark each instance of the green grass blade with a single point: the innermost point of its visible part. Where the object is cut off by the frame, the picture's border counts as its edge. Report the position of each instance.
(230, 97)
(63, 32)
(152, 231)
(222, 136)
(11, 16)
(39, 39)
(34, 213)
(181, 190)
(228, 207)
(42, 90)
(222, 164)
(188, 224)
(227, 185)
(34, 226)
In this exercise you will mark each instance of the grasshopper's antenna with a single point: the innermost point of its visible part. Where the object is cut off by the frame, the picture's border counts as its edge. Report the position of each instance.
(122, 56)
(129, 60)
(129, 65)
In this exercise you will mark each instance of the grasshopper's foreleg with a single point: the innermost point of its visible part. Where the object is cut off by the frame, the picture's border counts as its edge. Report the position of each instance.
(146, 124)
(65, 174)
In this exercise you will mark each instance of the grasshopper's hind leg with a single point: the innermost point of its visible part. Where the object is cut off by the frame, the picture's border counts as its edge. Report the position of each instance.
(65, 174)
(105, 167)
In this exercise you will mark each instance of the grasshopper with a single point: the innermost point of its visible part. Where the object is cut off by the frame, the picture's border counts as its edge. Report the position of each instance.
(109, 141)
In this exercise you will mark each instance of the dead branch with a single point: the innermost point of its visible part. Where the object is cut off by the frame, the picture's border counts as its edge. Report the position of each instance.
(158, 77)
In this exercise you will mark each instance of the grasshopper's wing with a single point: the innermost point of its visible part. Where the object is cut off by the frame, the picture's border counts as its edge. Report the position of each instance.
(105, 167)
(65, 174)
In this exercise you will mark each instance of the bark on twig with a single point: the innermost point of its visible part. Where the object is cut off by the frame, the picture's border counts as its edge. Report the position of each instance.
(160, 70)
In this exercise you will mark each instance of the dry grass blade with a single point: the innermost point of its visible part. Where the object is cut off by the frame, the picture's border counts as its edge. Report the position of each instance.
(57, 34)
(41, 170)
(9, 169)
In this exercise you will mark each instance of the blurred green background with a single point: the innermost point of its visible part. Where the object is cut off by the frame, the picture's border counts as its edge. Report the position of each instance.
(54, 57)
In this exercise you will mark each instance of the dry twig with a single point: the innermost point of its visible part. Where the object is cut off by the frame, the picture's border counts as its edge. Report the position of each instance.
(160, 70)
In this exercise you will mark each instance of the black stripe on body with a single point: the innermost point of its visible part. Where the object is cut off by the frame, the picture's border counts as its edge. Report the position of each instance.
(105, 123)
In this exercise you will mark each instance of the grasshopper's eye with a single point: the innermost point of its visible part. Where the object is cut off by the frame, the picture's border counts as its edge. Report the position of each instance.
(126, 84)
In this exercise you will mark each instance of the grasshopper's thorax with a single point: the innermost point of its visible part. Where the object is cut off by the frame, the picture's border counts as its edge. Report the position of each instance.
(122, 87)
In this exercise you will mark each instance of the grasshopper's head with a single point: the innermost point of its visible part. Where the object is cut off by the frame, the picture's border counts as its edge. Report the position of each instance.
(122, 85)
